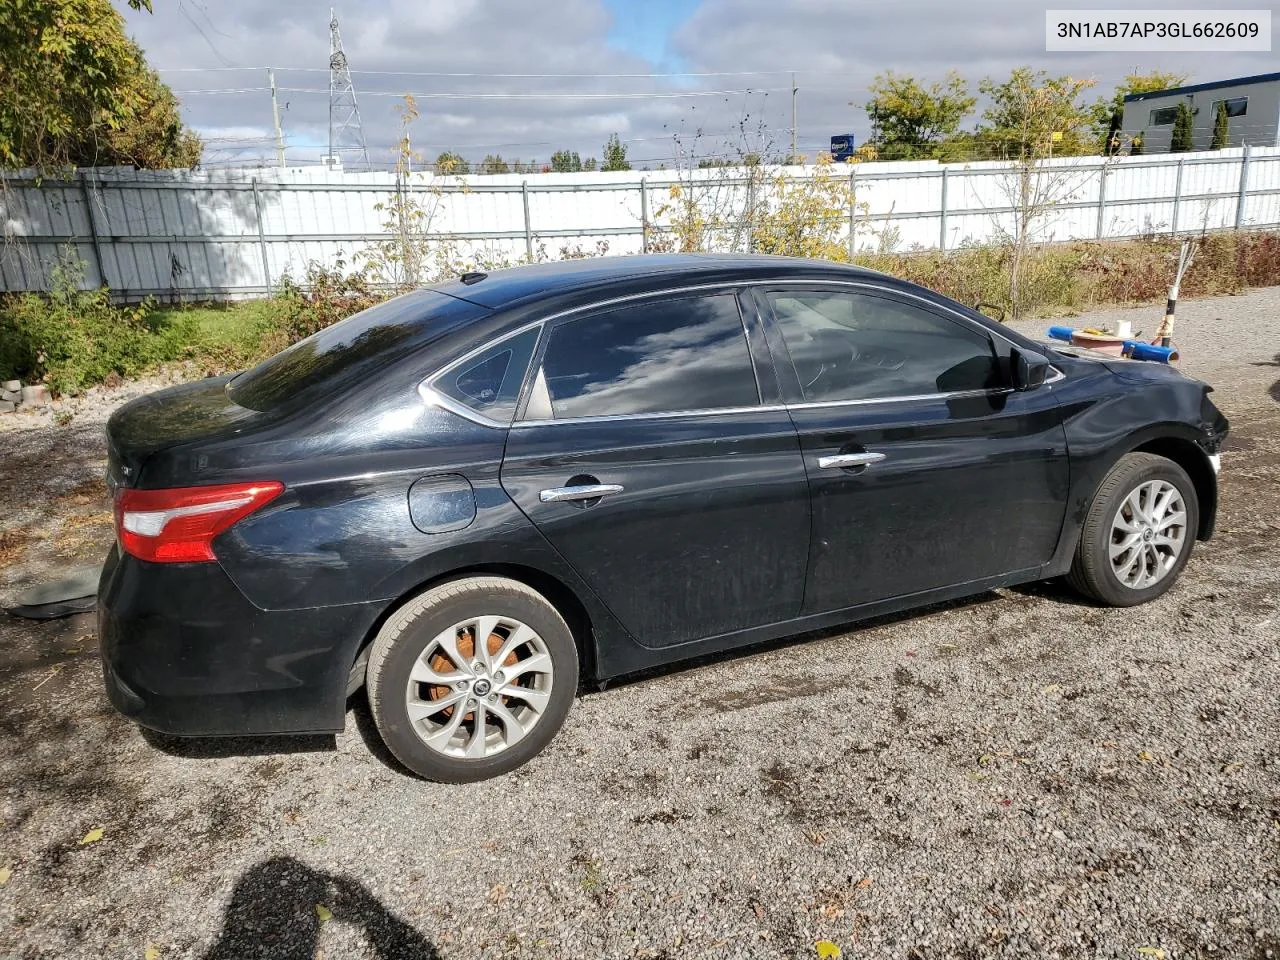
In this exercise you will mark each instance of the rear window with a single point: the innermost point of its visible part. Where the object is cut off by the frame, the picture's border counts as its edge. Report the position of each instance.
(350, 350)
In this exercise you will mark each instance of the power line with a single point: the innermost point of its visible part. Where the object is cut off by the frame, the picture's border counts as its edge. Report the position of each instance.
(541, 96)
(497, 76)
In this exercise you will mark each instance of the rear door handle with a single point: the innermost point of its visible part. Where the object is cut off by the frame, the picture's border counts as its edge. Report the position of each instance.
(844, 461)
(586, 491)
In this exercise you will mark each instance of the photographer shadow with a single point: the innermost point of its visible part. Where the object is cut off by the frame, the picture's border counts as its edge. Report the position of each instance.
(274, 915)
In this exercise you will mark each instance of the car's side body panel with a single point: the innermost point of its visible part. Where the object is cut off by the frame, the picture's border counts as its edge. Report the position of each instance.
(708, 534)
(1105, 418)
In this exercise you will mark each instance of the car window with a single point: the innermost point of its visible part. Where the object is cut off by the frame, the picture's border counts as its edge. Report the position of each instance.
(489, 383)
(855, 346)
(664, 356)
(350, 351)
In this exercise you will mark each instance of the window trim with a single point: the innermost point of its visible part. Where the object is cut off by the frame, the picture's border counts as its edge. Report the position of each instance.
(1213, 107)
(764, 288)
(756, 289)
(730, 290)
(1153, 122)
(435, 398)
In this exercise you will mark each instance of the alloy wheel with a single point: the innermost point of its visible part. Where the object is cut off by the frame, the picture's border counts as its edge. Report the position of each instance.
(1148, 534)
(470, 700)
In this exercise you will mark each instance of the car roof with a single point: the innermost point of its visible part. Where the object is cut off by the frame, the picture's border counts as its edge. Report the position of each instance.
(540, 281)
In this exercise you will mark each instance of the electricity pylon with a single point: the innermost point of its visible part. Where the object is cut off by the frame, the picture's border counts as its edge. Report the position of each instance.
(346, 134)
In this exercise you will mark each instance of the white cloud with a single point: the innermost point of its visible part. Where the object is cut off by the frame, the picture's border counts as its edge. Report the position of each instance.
(836, 47)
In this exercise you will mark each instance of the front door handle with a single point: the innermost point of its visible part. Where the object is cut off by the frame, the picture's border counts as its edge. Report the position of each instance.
(585, 491)
(844, 461)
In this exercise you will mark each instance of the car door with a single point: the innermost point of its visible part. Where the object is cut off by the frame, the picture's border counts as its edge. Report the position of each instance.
(646, 456)
(926, 470)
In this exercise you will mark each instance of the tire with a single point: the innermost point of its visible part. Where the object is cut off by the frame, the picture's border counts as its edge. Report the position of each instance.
(1144, 571)
(423, 643)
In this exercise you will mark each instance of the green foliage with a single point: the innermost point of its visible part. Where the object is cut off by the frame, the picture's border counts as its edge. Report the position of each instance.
(910, 121)
(562, 161)
(325, 296)
(1107, 114)
(1033, 115)
(1183, 140)
(808, 216)
(590, 163)
(1221, 127)
(1137, 148)
(75, 90)
(450, 163)
(615, 154)
(74, 338)
(493, 163)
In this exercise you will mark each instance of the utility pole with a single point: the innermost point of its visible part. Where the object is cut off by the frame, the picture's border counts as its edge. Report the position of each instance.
(793, 117)
(275, 115)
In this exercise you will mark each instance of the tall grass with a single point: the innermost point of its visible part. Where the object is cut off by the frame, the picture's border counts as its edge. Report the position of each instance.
(1075, 277)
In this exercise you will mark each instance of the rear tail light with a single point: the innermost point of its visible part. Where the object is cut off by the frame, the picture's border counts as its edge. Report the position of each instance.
(178, 525)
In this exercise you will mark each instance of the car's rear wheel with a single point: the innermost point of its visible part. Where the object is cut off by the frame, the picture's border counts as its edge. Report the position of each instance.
(472, 678)
(1138, 533)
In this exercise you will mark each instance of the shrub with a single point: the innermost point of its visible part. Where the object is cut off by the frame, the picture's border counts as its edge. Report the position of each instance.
(326, 295)
(75, 338)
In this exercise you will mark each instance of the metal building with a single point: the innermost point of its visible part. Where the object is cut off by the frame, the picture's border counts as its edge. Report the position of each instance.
(1253, 111)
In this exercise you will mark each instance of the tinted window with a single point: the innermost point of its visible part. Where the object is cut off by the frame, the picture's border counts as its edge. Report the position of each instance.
(663, 356)
(1236, 107)
(490, 382)
(350, 350)
(853, 346)
(1163, 116)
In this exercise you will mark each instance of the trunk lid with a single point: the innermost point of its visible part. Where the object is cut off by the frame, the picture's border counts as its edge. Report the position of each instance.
(166, 418)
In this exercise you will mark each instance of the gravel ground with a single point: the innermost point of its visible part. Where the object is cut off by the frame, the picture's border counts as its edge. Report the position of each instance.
(1019, 774)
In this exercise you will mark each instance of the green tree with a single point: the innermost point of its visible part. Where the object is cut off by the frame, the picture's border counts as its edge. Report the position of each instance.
(75, 90)
(1108, 112)
(1033, 115)
(562, 161)
(1183, 138)
(1031, 118)
(493, 163)
(615, 154)
(1221, 127)
(910, 120)
(590, 163)
(451, 163)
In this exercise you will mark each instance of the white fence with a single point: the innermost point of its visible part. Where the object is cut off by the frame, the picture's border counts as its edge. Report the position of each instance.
(175, 234)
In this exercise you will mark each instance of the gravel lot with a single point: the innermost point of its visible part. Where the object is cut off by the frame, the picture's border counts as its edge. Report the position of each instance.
(1020, 774)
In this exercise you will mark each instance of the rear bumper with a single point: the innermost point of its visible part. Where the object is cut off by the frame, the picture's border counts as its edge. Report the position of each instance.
(185, 653)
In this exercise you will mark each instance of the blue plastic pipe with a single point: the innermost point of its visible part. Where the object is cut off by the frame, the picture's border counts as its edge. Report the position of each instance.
(1134, 349)
(1137, 350)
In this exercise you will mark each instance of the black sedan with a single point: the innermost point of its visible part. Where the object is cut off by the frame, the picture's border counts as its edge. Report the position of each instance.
(475, 498)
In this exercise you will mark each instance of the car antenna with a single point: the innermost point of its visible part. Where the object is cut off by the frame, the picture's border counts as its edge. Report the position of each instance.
(473, 276)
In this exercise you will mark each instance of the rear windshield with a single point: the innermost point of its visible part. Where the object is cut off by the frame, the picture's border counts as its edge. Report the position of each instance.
(350, 350)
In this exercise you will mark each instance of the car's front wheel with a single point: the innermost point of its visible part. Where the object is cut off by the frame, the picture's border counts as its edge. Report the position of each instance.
(1138, 533)
(472, 678)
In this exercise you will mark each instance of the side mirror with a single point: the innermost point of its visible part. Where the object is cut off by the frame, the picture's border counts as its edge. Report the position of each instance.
(1028, 370)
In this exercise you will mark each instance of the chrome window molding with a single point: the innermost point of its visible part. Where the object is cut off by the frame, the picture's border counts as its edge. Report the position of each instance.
(432, 397)
(656, 415)
(891, 291)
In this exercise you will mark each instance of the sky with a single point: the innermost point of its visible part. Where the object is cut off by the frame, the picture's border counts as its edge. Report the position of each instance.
(580, 70)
